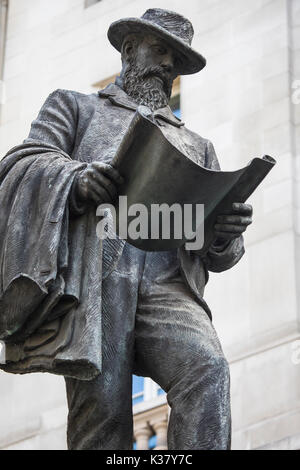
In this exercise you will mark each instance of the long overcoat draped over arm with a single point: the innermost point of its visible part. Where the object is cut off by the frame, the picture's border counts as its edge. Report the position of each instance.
(50, 297)
(52, 262)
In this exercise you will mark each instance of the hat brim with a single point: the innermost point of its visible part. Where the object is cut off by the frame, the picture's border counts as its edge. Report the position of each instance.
(190, 60)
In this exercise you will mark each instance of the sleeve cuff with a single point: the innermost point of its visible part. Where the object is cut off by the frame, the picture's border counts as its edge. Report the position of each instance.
(220, 245)
(225, 257)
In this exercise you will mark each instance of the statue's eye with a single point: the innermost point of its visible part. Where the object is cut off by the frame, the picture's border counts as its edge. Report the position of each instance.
(160, 50)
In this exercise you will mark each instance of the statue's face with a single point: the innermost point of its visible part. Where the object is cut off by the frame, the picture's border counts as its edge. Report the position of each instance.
(152, 52)
(149, 68)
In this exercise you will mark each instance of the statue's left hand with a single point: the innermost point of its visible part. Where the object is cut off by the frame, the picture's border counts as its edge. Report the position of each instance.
(230, 226)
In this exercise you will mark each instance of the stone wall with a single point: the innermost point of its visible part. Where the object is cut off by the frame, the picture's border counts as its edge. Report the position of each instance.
(243, 102)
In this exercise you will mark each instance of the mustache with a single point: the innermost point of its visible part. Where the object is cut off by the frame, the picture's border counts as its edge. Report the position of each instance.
(154, 70)
(157, 71)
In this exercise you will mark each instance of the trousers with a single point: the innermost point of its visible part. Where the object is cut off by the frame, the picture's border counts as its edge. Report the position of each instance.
(154, 327)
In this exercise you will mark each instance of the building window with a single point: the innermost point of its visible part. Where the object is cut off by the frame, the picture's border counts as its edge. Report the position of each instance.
(137, 389)
(175, 105)
(89, 3)
(144, 389)
(152, 442)
(175, 98)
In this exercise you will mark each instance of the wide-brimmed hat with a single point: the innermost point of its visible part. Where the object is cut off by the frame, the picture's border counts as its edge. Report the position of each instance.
(176, 30)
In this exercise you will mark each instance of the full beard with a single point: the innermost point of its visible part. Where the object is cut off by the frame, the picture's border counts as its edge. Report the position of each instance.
(147, 86)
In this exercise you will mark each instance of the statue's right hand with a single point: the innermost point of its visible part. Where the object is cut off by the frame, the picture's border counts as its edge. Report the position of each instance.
(97, 183)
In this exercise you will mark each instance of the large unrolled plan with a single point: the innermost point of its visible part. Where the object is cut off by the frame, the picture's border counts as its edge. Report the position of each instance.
(158, 176)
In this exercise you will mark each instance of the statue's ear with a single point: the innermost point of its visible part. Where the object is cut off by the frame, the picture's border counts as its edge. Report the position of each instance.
(127, 48)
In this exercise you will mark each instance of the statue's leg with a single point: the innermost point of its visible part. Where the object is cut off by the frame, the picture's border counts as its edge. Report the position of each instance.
(100, 410)
(177, 346)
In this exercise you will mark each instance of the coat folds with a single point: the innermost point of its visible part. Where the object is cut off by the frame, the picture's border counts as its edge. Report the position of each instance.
(52, 262)
(50, 298)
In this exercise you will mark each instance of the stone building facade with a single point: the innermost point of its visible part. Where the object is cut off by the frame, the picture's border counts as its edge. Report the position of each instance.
(247, 101)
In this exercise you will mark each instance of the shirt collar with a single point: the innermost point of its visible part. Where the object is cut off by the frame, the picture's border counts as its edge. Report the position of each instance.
(118, 97)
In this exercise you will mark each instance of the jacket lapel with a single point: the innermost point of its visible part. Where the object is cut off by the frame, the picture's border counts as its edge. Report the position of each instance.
(118, 97)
